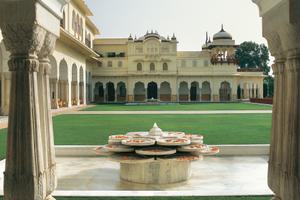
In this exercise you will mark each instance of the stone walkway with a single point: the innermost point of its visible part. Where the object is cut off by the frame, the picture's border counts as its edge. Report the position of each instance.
(169, 112)
(214, 176)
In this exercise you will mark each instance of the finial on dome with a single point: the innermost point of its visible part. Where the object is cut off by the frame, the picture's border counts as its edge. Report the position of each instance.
(130, 37)
(222, 28)
(173, 37)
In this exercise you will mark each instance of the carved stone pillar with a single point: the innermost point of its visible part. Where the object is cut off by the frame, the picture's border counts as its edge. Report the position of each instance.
(25, 35)
(24, 176)
(46, 116)
(281, 27)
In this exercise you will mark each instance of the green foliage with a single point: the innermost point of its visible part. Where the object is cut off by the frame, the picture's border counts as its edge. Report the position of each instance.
(269, 87)
(253, 55)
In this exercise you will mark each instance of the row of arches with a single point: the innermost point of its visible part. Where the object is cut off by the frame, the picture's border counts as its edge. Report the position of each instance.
(61, 84)
(141, 92)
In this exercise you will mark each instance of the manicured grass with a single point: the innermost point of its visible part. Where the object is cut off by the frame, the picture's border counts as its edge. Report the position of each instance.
(198, 106)
(217, 129)
(167, 198)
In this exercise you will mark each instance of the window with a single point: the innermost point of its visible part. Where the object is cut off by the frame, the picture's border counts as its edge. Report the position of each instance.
(183, 63)
(194, 63)
(165, 67)
(120, 64)
(99, 64)
(205, 63)
(77, 24)
(62, 21)
(152, 67)
(109, 64)
(81, 29)
(139, 67)
(73, 21)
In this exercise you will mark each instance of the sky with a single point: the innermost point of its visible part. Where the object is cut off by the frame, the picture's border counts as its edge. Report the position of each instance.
(187, 19)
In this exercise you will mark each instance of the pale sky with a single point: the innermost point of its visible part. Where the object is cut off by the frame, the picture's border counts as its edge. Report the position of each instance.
(188, 19)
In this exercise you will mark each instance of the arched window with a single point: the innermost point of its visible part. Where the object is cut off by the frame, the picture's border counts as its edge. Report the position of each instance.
(120, 63)
(62, 21)
(109, 64)
(77, 24)
(152, 67)
(165, 67)
(73, 21)
(81, 29)
(139, 67)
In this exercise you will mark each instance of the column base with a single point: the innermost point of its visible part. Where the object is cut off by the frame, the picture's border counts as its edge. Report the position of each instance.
(50, 197)
(130, 98)
(174, 98)
(216, 98)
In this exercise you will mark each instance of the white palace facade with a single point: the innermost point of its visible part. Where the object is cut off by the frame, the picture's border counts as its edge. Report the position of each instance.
(86, 69)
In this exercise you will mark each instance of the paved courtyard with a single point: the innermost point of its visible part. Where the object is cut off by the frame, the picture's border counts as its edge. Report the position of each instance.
(214, 176)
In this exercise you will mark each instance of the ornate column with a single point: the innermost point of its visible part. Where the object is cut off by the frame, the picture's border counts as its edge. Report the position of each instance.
(24, 175)
(46, 116)
(282, 32)
(25, 35)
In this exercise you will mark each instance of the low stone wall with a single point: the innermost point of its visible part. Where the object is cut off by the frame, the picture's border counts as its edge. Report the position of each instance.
(263, 101)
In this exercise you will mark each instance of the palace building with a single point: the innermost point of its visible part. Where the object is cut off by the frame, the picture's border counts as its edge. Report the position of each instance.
(88, 69)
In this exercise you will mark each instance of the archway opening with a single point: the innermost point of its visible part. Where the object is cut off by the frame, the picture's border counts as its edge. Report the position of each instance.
(183, 91)
(152, 90)
(63, 84)
(53, 82)
(194, 91)
(110, 87)
(121, 92)
(74, 85)
(205, 91)
(165, 91)
(99, 92)
(225, 91)
(81, 86)
(139, 92)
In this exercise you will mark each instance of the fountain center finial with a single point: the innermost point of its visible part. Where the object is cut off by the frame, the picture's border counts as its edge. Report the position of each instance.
(155, 130)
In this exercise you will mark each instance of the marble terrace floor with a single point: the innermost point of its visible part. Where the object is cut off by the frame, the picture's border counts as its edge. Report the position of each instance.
(214, 176)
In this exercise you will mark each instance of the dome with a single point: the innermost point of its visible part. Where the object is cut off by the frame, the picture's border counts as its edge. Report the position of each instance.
(222, 35)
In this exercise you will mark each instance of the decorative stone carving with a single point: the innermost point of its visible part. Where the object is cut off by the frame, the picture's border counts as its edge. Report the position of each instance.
(284, 41)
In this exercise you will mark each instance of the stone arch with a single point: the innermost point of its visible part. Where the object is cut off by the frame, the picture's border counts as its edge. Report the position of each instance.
(99, 92)
(165, 91)
(53, 78)
(110, 91)
(53, 63)
(152, 90)
(206, 91)
(121, 92)
(139, 92)
(225, 91)
(81, 85)
(194, 91)
(239, 92)
(74, 85)
(63, 84)
(183, 91)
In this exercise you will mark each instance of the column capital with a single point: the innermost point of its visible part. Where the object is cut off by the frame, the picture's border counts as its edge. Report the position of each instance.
(23, 63)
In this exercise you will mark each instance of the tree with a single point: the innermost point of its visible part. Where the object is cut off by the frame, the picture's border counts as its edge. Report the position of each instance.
(253, 55)
(268, 87)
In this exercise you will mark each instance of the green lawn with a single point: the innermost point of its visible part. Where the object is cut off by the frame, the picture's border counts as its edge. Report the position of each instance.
(217, 129)
(198, 106)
